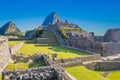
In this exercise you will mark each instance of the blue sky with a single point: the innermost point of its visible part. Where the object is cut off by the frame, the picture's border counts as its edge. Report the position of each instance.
(92, 15)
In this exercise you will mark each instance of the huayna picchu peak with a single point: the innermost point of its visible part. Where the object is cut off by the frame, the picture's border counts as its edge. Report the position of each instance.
(51, 19)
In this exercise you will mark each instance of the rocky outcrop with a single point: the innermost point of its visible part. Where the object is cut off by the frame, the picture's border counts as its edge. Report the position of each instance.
(10, 29)
(51, 19)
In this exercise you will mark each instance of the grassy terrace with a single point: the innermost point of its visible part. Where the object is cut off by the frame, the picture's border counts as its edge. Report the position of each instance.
(63, 52)
(82, 73)
(22, 65)
(29, 48)
(114, 75)
(12, 43)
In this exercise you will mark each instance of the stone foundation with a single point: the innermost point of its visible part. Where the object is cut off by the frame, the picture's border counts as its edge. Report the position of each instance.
(52, 71)
(77, 61)
(104, 65)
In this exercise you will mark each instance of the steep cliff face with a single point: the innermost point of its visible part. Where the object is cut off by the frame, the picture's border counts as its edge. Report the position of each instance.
(51, 19)
(10, 29)
(112, 35)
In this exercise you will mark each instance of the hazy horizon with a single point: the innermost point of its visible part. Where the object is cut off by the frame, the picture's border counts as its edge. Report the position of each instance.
(91, 15)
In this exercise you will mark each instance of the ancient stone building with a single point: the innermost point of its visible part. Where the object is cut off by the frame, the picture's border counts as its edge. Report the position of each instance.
(106, 45)
(112, 35)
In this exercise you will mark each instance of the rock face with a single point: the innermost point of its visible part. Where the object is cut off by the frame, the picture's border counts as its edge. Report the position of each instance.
(112, 35)
(51, 19)
(10, 29)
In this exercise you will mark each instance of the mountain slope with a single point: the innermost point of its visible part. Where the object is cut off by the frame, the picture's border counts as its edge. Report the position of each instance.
(10, 29)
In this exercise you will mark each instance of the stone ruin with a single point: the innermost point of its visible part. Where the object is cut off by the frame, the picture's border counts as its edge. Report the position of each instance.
(106, 45)
(42, 73)
(52, 71)
(31, 58)
(77, 61)
(4, 52)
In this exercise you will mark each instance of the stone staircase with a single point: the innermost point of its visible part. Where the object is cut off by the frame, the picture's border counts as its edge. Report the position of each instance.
(48, 37)
(61, 40)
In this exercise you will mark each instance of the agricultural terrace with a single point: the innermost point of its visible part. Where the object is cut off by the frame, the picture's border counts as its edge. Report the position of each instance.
(30, 48)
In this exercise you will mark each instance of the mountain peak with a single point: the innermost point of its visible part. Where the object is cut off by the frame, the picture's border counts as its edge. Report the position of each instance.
(10, 22)
(51, 19)
(9, 28)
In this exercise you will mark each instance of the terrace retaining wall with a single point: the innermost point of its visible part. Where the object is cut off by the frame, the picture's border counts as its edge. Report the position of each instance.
(4, 52)
(16, 47)
(104, 65)
(36, 73)
(78, 60)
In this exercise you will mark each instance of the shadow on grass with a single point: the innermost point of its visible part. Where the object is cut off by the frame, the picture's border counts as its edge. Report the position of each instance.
(36, 64)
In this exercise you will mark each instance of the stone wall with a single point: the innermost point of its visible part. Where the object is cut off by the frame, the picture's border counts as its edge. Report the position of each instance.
(41, 73)
(104, 65)
(78, 60)
(102, 48)
(111, 48)
(105, 48)
(21, 58)
(16, 47)
(112, 35)
(4, 52)
(52, 71)
(61, 73)
(98, 38)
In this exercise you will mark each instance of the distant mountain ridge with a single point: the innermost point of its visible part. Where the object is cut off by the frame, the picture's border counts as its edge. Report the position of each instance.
(10, 29)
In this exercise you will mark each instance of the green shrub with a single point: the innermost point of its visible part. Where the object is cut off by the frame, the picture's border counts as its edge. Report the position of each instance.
(63, 30)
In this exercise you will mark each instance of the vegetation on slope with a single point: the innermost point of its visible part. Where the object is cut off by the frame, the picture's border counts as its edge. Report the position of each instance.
(63, 30)
(15, 33)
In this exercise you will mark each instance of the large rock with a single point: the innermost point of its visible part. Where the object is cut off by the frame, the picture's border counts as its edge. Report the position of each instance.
(10, 29)
(112, 35)
(51, 19)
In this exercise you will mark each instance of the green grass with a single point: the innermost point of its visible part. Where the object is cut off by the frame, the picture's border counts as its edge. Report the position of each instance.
(0, 76)
(12, 43)
(30, 48)
(114, 75)
(82, 73)
(79, 72)
(22, 65)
